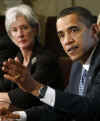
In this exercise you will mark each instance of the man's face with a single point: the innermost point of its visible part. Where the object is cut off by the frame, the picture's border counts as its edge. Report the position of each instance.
(75, 37)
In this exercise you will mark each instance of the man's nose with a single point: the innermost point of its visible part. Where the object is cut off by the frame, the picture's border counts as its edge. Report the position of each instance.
(68, 38)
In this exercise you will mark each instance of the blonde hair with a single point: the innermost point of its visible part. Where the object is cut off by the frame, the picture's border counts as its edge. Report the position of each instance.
(21, 10)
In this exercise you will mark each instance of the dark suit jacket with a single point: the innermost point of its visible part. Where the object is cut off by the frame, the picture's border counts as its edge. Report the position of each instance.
(69, 105)
(87, 106)
(46, 113)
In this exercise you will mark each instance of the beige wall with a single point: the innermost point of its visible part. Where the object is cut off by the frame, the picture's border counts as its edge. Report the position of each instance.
(49, 7)
(52, 7)
(4, 4)
(2, 8)
(92, 5)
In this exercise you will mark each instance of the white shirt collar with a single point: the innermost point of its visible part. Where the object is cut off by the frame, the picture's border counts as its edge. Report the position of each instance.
(87, 63)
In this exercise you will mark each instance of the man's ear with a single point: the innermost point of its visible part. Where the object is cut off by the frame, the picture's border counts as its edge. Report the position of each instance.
(95, 32)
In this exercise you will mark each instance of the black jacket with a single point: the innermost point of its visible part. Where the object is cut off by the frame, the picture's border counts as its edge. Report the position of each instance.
(71, 106)
(46, 113)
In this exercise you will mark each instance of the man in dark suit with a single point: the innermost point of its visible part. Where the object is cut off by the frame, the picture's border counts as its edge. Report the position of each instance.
(81, 100)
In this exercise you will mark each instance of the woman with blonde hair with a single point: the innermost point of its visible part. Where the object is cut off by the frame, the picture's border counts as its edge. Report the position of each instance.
(23, 28)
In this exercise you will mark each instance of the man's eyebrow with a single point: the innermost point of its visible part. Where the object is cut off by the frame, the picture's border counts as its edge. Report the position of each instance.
(69, 28)
(72, 27)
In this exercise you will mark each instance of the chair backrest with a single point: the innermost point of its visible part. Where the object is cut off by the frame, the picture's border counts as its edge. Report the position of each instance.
(51, 39)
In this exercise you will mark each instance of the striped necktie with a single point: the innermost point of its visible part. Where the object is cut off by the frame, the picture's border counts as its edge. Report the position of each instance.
(82, 82)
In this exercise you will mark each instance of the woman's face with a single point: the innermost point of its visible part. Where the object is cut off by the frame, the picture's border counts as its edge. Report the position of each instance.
(22, 34)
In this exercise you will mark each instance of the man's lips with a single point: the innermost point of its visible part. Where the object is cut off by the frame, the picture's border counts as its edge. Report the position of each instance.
(71, 49)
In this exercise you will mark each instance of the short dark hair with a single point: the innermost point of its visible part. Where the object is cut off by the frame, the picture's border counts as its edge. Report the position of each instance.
(83, 13)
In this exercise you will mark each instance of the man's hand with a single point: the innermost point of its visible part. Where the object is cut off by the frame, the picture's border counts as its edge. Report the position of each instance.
(19, 74)
(7, 115)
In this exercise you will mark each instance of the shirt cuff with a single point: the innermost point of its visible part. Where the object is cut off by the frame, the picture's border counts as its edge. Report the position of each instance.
(23, 115)
(49, 97)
